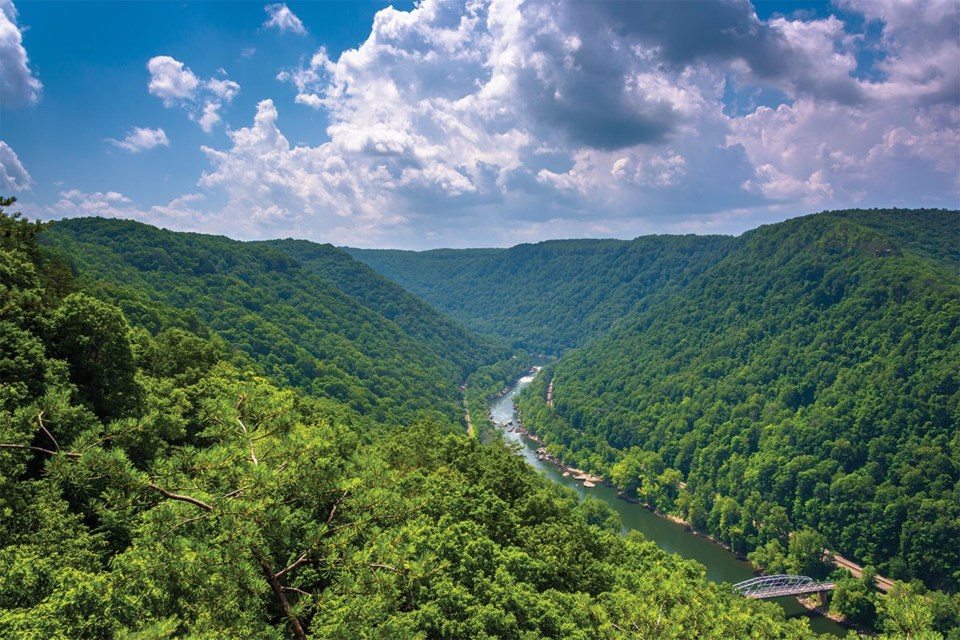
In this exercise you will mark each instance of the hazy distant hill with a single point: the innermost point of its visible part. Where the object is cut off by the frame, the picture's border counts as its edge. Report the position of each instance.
(552, 295)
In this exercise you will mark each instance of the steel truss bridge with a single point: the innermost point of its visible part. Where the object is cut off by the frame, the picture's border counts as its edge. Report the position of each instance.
(780, 585)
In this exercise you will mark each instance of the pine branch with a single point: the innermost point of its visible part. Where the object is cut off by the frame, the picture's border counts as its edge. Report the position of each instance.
(183, 498)
(336, 504)
(304, 557)
(49, 452)
(253, 455)
(278, 592)
(41, 426)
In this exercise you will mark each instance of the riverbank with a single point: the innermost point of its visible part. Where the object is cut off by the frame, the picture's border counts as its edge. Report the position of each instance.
(588, 479)
(668, 532)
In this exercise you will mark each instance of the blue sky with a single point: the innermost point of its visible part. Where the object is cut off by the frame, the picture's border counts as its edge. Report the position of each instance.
(476, 123)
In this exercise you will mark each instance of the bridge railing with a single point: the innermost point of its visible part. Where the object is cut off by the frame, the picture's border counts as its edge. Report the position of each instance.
(783, 584)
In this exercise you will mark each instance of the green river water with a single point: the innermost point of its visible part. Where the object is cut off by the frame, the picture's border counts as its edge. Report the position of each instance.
(722, 565)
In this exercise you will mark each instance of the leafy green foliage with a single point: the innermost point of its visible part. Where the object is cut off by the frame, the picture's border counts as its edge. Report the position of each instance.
(92, 337)
(550, 296)
(811, 378)
(301, 325)
(223, 503)
(416, 318)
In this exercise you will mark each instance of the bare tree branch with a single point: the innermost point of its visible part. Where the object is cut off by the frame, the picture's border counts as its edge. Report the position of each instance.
(336, 504)
(377, 565)
(304, 557)
(181, 523)
(41, 426)
(235, 492)
(49, 452)
(253, 455)
(278, 593)
(177, 496)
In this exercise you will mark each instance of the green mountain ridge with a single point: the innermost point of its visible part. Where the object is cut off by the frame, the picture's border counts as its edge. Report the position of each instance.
(302, 326)
(810, 378)
(414, 316)
(549, 296)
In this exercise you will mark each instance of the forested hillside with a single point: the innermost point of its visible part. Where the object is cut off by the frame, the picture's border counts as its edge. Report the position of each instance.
(160, 476)
(353, 337)
(550, 296)
(414, 316)
(807, 381)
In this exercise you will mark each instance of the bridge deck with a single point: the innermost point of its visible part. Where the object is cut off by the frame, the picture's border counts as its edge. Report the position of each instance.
(780, 585)
(791, 591)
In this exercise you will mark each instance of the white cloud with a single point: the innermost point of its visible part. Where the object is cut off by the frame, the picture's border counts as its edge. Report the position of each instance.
(657, 170)
(287, 188)
(177, 85)
(283, 19)
(141, 139)
(13, 175)
(222, 88)
(170, 80)
(920, 50)
(179, 213)
(465, 123)
(74, 203)
(210, 116)
(838, 155)
(18, 84)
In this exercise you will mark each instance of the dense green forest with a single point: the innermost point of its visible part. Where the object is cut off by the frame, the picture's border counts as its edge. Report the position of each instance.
(309, 325)
(551, 296)
(414, 316)
(798, 382)
(809, 380)
(201, 439)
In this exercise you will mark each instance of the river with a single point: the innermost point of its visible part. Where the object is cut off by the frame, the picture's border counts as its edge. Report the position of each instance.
(722, 565)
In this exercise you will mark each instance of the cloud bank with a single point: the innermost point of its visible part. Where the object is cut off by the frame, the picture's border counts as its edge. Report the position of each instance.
(458, 124)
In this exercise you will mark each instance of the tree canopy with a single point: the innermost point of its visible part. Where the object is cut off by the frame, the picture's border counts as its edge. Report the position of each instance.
(163, 475)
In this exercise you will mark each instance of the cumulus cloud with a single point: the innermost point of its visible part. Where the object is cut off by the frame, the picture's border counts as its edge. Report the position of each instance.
(141, 139)
(505, 112)
(18, 85)
(284, 188)
(497, 122)
(283, 19)
(178, 86)
(170, 80)
(13, 175)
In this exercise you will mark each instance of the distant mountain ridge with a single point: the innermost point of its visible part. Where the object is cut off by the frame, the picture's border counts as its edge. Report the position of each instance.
(549, 296)
(803, 374)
